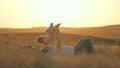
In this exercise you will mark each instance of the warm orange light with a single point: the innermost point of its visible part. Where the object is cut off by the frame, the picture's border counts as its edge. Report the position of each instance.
(71, 13)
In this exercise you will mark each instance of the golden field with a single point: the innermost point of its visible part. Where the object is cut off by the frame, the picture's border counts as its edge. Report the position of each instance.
(110, 32)
(20, 49)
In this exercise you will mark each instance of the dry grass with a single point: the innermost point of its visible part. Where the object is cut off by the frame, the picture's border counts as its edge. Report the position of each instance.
(16, 52)
(110, 31)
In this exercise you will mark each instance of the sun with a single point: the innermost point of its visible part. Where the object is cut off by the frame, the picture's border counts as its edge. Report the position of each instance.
(58, 9)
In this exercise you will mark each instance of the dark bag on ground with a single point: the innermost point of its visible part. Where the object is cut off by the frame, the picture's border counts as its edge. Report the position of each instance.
(84, 45)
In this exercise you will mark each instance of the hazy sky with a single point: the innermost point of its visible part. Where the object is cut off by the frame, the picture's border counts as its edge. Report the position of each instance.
(71, 13)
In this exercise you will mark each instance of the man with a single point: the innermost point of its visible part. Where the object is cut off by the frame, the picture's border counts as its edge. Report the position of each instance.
(51, 34)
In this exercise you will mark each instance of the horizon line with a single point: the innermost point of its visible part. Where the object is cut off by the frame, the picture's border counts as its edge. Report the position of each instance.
(60, 27)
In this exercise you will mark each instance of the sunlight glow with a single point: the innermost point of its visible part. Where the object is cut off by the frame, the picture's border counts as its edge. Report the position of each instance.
(58, 10)
(71, 13)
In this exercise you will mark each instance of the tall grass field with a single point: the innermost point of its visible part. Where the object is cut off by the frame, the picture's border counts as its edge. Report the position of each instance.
(21, 50)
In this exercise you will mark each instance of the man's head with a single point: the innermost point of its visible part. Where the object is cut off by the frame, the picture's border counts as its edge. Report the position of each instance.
(41, 40)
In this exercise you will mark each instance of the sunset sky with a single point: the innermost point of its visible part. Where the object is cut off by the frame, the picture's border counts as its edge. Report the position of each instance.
(70, 13)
